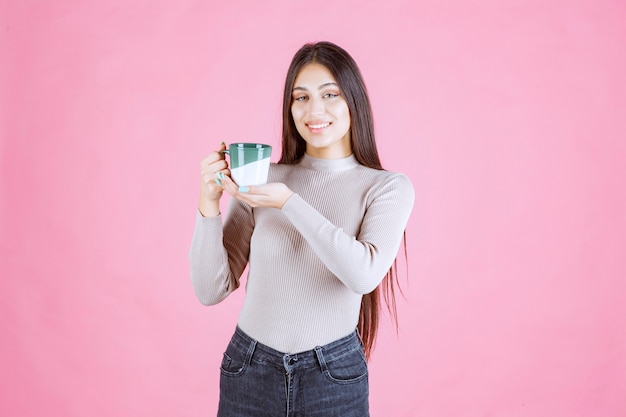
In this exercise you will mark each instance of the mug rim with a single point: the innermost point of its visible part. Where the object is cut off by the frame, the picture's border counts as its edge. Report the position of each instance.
(253, 145)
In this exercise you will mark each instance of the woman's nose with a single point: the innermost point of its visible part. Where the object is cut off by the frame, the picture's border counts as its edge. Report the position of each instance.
(316, 106)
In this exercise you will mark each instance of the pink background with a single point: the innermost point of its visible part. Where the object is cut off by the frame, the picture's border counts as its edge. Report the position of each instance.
(509, 117)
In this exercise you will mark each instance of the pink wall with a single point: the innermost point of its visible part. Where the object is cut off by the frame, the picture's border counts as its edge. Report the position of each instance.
(508, 117)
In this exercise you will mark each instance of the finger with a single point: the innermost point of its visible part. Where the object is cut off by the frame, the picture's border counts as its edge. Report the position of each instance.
(220, 164)
(240, 193)
(230, 186)
(215, 156)
(221, 174)
(248, 189)
(211, 158)
(215, 166)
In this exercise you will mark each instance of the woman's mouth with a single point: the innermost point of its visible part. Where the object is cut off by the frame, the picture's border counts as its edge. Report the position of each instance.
(317, 127)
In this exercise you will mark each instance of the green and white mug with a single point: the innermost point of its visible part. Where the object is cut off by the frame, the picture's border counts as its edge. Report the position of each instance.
(249, 163)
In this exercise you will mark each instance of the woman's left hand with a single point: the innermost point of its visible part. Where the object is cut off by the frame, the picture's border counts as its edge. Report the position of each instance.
(274, 194)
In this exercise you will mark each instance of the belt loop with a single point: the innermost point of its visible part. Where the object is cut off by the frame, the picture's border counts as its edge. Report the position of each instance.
(250, 351)
(320, 358)
(358, 334)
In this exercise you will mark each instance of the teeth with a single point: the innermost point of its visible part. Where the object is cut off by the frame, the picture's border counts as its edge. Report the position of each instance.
(319, 126)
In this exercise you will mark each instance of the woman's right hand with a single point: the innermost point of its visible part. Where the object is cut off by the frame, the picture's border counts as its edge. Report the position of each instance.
(212, 165)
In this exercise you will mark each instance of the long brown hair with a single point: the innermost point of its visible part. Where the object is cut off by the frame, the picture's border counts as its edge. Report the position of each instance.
(350, 81)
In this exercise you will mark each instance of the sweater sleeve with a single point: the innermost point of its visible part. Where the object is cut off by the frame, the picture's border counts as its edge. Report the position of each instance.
(219, 254)
(361, 261)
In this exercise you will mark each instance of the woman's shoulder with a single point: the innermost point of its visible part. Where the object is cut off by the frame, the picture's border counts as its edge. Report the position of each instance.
(384, 176)
(388, 185)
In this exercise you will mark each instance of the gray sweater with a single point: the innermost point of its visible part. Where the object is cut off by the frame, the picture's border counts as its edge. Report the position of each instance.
(311, 261)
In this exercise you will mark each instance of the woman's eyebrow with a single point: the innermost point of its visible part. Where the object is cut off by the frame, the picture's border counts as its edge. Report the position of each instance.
(319, 88)
(327, 85)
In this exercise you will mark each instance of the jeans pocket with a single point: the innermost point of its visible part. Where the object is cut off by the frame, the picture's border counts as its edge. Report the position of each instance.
(234, 362)
(347, 369)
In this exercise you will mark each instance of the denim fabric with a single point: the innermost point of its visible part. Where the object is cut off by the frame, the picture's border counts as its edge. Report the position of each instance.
(258, 381)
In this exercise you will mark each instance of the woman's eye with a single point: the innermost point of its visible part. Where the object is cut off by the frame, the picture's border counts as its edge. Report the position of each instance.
(299, 98)
(330, 95)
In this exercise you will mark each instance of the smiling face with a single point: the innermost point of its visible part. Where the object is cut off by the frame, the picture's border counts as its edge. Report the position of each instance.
(320, 113)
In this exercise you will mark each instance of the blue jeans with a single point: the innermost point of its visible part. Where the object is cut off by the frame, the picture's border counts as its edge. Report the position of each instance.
(328, 381)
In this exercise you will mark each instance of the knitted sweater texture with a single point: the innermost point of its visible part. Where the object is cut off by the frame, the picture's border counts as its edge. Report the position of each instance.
(309, 262)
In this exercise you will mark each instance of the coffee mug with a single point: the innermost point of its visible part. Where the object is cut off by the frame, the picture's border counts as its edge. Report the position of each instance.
(249, 163)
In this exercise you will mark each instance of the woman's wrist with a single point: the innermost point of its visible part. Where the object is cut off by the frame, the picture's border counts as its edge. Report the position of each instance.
(286, 198)
(209, 208)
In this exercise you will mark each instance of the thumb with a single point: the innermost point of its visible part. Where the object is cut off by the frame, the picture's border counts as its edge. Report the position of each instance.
(236, 188)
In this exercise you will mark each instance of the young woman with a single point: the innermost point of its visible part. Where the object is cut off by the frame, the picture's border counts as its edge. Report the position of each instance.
(319, 239)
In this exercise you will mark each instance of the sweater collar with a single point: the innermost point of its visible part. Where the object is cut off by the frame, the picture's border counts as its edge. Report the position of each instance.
(328, 165)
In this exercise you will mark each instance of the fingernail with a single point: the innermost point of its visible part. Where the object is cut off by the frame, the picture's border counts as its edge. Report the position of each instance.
(223, 143)
(218, 181)
(244, 189)
(220, 175)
